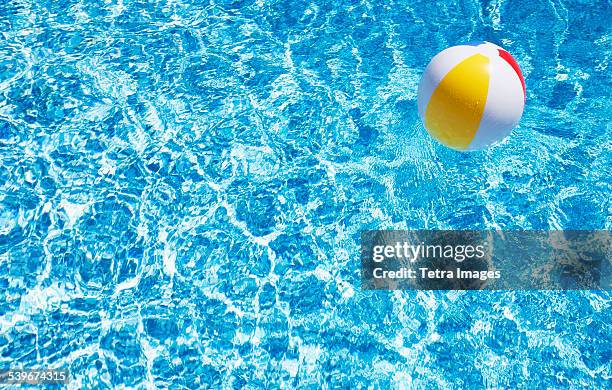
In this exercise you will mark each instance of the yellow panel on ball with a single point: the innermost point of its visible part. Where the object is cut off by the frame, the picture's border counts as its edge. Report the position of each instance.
(456, 105)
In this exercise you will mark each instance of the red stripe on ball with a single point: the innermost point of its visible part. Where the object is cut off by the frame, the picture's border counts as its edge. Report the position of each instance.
(512, 62)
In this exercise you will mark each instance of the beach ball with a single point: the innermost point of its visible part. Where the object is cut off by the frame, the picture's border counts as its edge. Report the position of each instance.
(471, 96)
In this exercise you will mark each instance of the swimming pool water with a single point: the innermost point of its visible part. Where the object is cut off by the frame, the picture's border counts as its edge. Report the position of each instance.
(183, 185)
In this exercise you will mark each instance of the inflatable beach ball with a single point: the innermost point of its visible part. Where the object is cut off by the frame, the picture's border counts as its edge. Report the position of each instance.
(471, 95)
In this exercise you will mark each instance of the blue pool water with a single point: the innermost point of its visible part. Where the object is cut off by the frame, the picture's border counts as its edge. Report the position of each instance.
(183, 185)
